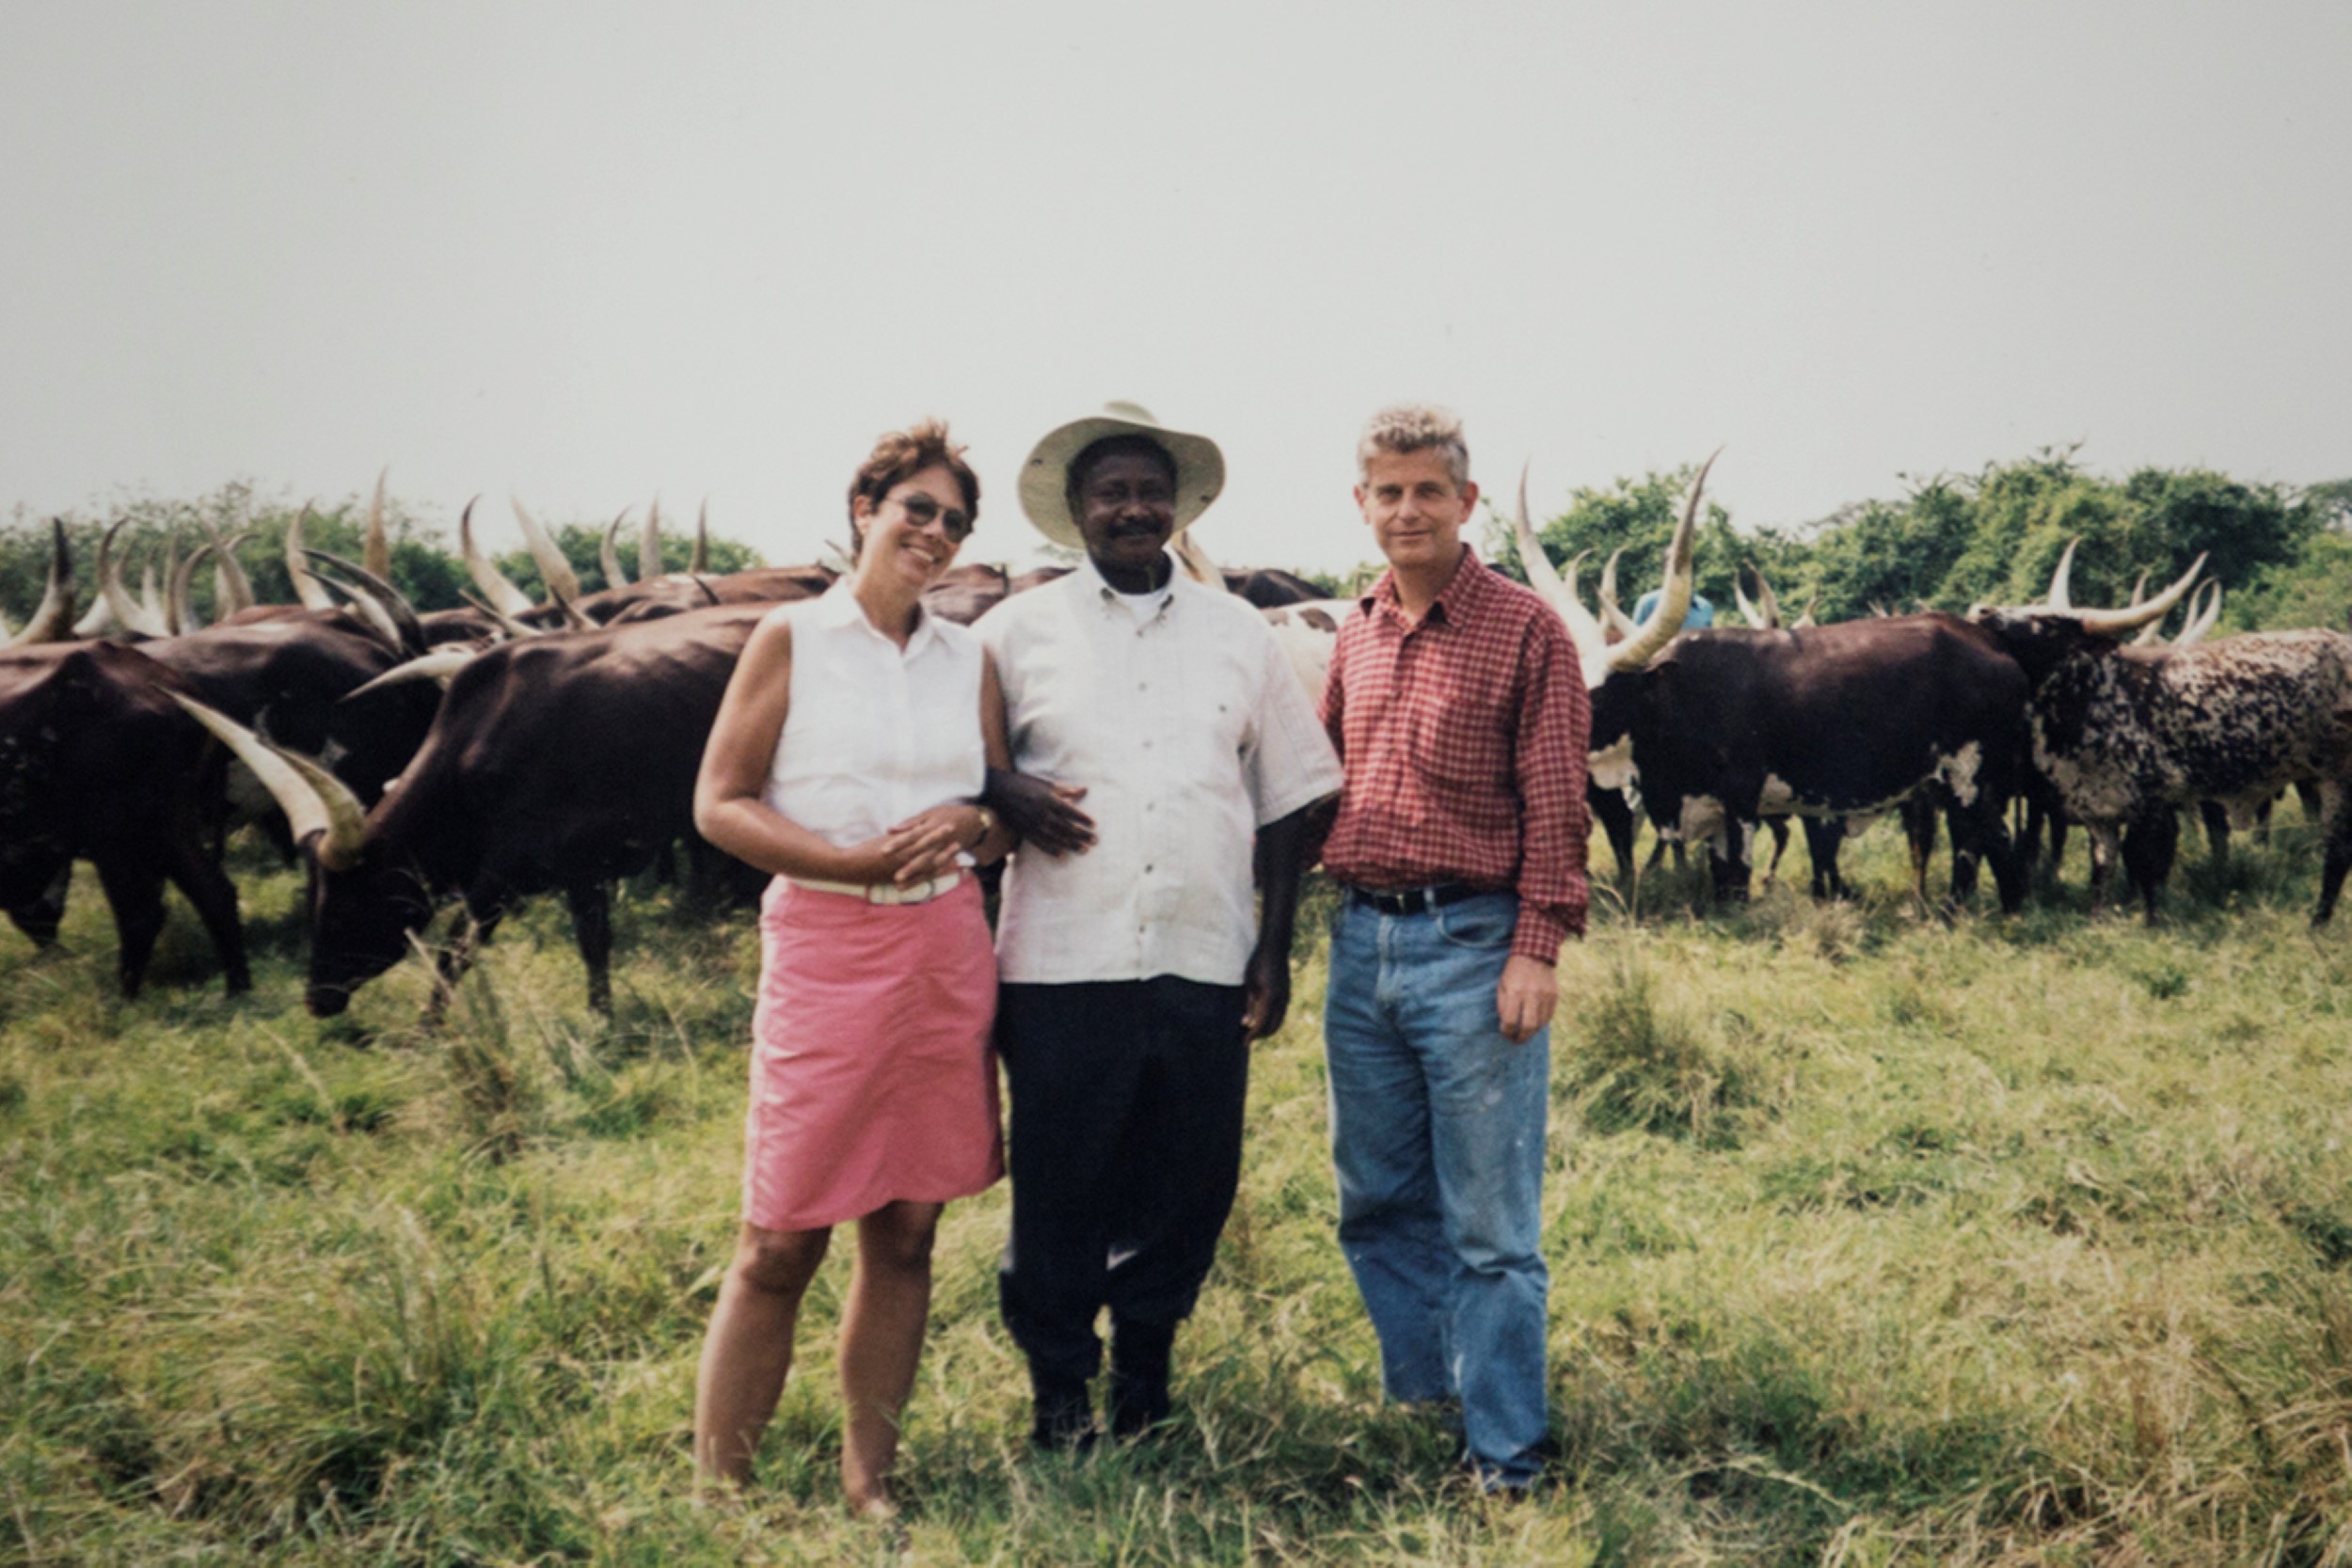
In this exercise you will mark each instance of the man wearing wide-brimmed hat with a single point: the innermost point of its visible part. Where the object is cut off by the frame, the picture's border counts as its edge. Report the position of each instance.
(1158, 733)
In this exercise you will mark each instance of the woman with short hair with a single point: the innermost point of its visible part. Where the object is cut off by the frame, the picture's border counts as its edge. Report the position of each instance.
(849, 757)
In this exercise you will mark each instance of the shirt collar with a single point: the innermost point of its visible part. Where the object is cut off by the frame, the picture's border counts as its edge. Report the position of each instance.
(1100, 591)
(1455, 606)
(837, 608)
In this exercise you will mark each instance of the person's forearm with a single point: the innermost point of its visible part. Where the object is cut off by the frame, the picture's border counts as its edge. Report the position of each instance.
(757, 836)
(1282, 857)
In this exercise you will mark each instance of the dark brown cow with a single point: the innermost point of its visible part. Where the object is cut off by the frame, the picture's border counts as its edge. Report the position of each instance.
(558, 762)
(97, 764)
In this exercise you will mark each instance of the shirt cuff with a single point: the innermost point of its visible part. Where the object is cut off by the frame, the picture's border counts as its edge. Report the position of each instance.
(1542, 930)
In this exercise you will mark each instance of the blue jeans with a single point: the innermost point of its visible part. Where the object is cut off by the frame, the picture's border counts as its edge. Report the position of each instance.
(1437, 1135)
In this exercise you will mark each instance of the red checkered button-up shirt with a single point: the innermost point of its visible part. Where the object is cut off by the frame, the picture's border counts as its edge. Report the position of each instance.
(1464, 737)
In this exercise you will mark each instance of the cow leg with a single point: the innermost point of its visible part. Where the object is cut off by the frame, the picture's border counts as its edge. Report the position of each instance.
(2106, 849)
(2314, 797)
(1823, 836)
(2336, 813)
(1918, 817)
(201, 882)
(135, 892)
(592, 927)
(1614, 814)
(2217, 819)
(1778, 827)
(2149, 847)
(1728, 858)
(40, 915)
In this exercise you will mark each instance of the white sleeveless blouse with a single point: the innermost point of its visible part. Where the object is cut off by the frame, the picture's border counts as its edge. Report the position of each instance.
(874, 735)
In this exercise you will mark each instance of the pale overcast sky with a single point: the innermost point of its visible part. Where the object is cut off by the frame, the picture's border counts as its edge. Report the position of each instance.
(586, 253)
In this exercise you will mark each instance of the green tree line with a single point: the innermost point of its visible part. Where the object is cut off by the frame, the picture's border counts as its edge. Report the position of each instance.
(2282, 554)
(426, 565)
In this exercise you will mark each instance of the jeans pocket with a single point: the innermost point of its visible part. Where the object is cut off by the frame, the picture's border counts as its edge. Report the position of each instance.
(1483, 925)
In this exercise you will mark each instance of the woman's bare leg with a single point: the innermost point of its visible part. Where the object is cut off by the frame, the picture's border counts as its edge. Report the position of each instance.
(748, 1349)
(881, 1341)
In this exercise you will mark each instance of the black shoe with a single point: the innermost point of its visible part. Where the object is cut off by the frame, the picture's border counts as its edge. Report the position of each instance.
(1139, 1364)
(1065, 1415)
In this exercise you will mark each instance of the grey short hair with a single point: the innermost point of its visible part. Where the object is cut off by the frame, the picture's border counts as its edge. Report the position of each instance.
(1415, 427)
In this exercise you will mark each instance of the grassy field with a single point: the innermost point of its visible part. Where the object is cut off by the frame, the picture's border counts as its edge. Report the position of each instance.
(1874, 1239)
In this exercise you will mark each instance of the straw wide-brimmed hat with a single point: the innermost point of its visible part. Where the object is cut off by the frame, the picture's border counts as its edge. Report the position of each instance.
(1045, 477)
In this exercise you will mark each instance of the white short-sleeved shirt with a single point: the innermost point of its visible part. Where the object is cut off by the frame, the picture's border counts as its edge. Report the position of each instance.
(1189, 732)
(873, 734)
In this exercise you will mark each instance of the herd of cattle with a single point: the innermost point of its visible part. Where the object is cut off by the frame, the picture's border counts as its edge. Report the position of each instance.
(517, 748)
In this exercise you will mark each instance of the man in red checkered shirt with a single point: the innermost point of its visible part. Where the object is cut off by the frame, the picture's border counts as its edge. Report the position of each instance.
(1462, 720)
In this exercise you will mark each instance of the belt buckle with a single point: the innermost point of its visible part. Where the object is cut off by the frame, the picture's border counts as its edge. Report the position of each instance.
(916, 893)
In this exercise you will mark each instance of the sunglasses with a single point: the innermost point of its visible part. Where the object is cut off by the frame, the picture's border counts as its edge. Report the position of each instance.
(922, 512)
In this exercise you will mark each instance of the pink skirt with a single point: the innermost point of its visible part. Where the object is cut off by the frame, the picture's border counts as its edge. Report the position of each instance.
(873, 1079)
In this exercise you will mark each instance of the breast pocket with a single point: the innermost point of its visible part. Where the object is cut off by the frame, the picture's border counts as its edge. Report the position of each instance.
(1464, 742)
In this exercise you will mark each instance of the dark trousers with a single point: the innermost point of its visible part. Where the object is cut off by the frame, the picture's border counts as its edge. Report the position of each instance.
(1127, 1100)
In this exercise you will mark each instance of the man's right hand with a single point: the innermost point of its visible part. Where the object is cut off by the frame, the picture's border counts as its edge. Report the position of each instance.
(1045, 815)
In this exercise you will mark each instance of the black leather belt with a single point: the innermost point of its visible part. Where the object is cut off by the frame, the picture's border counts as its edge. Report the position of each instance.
(1417, 900)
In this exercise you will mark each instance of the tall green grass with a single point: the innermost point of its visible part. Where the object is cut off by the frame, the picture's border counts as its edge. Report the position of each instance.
(1875, 1238)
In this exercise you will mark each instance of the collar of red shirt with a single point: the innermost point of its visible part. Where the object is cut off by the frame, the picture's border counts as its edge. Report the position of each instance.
(1455, 606)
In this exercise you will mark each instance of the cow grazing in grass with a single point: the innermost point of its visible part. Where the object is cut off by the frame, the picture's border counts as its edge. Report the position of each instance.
(556, 763)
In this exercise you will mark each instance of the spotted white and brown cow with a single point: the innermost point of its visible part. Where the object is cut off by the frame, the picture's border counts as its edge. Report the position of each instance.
(2126, 736)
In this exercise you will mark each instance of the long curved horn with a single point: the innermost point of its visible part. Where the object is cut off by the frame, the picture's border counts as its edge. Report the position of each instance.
(1661, 629)
(509, 599)
(376, 552)
(365, 607)
(573, 619)
(314, 800)
(2115, 623)
(184, 618)
(2061, 580)
(233, 589)
(1560, 590)
(1533, 559)
(702, 539)
(556, 572)
(2204, 612)
(1771, 599)
(438, 665)
(504, 621)
(1750, 611)
(399, 616)
(1611, 614)
(1805, 621)
(100, 617)
(307, 589)
(649, 545)
(132, 615)
(610, 557)
(97, 620)
(53, 619)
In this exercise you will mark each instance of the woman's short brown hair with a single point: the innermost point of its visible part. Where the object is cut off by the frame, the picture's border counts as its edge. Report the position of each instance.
(898, 456)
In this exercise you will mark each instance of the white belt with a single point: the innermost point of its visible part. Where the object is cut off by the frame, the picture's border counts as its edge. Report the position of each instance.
(884, 893)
